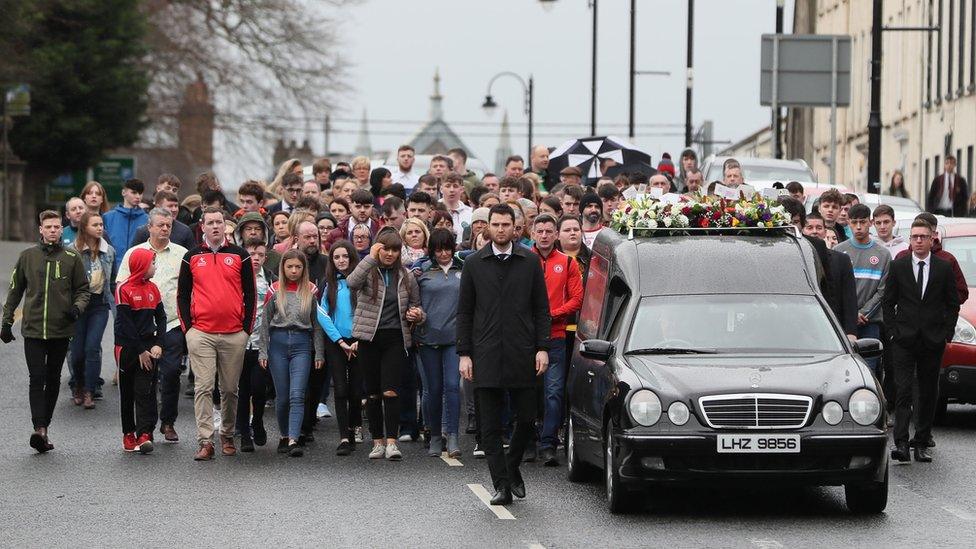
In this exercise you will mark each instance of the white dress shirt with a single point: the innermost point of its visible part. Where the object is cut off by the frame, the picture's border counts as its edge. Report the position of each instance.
(407, 179)
(926, 273)
(945, 203)
(499, 251)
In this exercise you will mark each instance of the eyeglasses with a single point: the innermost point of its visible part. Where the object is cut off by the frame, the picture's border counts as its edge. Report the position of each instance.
(920, 236)
(360, 237)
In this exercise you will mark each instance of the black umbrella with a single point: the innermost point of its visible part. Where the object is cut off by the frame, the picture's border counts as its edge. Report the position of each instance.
(586, 154)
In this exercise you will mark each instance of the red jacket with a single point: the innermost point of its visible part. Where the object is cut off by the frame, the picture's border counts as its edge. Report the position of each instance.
(564, 286)
(961, 286)
(216, 291)
(140, 320)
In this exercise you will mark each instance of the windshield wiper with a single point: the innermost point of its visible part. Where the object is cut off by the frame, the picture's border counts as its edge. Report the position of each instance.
(671, 351)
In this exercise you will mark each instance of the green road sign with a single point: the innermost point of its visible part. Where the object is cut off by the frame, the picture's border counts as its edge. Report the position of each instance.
(112, 173)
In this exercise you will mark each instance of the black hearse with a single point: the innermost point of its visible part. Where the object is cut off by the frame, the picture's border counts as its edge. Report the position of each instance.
(713, 355)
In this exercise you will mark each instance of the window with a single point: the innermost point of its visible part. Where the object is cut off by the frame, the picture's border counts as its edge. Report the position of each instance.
(593, 297)
(949, 51)
(618, 298)
(969, 165)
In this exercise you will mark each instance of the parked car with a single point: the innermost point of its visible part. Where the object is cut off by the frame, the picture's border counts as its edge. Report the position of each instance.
(714, 357)
(957, 378)
(757, 170)
(905, 208)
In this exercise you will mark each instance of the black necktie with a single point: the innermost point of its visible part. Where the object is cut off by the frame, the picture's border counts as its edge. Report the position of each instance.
(921, 278)
(502, 257)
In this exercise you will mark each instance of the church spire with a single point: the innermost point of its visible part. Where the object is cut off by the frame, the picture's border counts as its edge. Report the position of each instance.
(504, 149)
(363, 147)
(436, 111)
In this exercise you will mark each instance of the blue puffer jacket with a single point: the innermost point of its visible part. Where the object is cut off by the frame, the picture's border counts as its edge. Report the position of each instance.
(121, 224)
(337, 324)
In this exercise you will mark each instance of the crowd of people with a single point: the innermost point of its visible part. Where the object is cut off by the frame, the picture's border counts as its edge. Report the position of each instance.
(422, 302)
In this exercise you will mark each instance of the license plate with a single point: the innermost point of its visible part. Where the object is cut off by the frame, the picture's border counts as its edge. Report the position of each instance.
(758, 444)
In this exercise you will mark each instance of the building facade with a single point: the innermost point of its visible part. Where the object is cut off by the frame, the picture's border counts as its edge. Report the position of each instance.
(928, 92)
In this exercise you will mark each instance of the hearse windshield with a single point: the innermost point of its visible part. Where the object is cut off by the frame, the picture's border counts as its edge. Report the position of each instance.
(732, 323)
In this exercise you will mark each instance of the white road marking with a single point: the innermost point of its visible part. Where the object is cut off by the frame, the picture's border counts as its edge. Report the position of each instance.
(499, 510)
(767, 543)
(959, 513)
(536, 546)
(948, 508)
(451, 461)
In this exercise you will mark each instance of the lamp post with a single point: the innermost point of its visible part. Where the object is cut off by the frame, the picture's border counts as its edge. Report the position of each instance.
(527, 87)
(547, 4)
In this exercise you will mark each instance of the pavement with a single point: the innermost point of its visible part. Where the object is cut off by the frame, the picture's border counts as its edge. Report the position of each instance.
(87, 492)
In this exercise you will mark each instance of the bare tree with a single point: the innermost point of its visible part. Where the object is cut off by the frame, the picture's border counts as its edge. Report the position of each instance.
(276, 59)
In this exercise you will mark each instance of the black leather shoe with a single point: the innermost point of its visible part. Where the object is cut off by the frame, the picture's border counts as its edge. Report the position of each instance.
(518, 490)
(530, 453)
(260, 435)
(247, 444)
(502, 497)
(901, 453)
(344, 448)
(930, 443)
(923, 455)
(548, 457)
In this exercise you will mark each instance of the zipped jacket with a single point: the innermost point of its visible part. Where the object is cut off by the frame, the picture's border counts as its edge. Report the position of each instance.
(52, 282)
(216, 290)
(140, 318)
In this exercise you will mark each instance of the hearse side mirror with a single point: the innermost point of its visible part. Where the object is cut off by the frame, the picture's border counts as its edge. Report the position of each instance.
(868, 348)
(596, 349)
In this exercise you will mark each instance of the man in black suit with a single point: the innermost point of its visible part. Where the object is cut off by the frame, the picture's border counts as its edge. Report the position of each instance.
(921, 306)
(948, 193)
(503, 325)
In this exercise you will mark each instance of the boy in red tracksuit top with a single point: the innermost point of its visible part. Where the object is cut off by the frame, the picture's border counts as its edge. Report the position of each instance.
(564, 285)
(140, 324)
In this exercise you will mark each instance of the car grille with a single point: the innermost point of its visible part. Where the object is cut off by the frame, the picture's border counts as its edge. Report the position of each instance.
(755, 411)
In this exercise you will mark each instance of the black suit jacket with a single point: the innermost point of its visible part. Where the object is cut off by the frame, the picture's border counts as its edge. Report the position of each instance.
(841, 274)
(928, 321)
(960, 194)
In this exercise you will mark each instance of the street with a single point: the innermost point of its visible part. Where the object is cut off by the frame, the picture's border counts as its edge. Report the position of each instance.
(87, 492)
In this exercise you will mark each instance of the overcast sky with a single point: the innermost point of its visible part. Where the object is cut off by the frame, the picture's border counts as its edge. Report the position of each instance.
(394, 47)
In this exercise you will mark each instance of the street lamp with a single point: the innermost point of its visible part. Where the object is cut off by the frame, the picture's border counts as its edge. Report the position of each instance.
(547, 4)
(527, 87)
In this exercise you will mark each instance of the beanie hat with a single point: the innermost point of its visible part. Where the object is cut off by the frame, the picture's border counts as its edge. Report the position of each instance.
(665, 165)
(590, 198)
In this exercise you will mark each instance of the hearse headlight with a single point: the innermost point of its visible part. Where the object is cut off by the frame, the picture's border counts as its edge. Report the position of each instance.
(864, 406)
(645, 407)
(832, 413)
(678, 413)
(964, 333)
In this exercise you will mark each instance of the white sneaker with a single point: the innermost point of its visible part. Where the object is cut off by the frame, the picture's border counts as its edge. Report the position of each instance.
(393, 453)
(405, 438)
(379, 452)
(478, 452)
(359, 435)
(323, 411)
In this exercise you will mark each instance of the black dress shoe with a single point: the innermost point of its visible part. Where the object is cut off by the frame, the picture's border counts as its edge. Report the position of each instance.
(260, 435)
(344, 449)
(37, 442)
(518, 490)
(901, 453)
(502, 497)
(548, 457)
(923, 455)
(247, 444)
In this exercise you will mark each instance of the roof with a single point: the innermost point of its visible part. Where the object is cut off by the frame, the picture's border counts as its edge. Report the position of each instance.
(715, 264)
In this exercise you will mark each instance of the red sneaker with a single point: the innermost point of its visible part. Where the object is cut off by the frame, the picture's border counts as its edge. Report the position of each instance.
(144, 443)
(129, 442)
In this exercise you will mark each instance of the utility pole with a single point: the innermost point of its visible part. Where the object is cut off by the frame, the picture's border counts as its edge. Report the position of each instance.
(633, 47)
(874, 118)
(777, 130)
(593, 75)
(328, 130)
(688, 76)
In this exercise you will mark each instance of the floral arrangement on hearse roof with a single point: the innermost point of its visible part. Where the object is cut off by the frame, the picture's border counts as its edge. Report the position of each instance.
(699, 212)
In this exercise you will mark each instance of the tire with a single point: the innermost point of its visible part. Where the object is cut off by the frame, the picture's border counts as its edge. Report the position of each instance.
(941, 409)
(618, 499)
(576, 469)
(869, 498)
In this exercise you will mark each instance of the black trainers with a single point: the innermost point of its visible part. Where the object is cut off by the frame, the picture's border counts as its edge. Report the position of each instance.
(295, 450)
(247, 444)
(283, 445)
(344, 448)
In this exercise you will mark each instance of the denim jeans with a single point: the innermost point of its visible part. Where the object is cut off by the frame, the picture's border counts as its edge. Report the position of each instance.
(554, 394)
(441, 380)
(290, 360)
(86, 345)
(872, 330)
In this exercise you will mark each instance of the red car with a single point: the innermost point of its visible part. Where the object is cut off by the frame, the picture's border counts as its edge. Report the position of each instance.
(957, 381)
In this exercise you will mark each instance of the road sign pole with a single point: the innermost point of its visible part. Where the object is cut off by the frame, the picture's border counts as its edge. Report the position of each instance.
(833, 111)
(775, 102)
